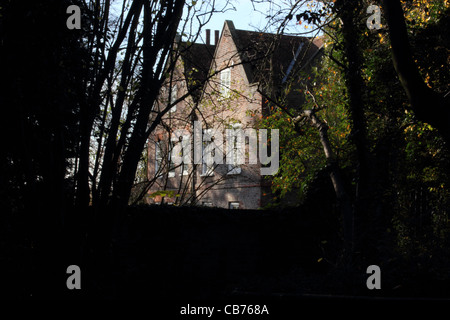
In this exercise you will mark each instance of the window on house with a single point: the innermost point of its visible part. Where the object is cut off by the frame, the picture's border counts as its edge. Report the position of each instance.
(158, 157)
(185, 141)
(185, 169)
(233, 205)
(173, 97)
(171, 164)
(207, 169)
(207, 203)
(236, 149)
(225, 81)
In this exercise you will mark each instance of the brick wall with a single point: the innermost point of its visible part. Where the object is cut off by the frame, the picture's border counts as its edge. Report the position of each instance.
(243, 105)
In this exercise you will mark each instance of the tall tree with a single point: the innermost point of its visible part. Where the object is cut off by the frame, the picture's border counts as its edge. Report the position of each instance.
(42, 63)
(429, 106)
(42, 93)
(134, 54)
(378, 110)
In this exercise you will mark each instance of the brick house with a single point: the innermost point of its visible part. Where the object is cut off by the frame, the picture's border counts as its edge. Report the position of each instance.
(215, 89)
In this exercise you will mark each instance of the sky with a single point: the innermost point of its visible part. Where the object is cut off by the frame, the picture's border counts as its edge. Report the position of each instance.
(245, 16)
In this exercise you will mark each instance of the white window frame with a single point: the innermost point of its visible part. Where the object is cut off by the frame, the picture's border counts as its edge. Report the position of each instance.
(184, 166)
(173, 98)
(225, 83)
(233, 205)
(235, 168)
(170, 164)
(158, 157)
(207, 171)
(159, 160)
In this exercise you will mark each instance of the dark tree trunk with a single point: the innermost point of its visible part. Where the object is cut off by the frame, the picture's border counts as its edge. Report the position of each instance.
(343, 200)
(349, 13)
(109, 165)
(428, 105)
(153, 69)
(90, 109)
(83, 190)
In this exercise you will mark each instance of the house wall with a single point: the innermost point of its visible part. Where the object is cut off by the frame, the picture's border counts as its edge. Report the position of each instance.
(178, 119)
(243, 106)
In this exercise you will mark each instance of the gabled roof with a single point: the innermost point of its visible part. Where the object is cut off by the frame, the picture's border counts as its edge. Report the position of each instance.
(262, 53)
(197, 58)
(259, 52)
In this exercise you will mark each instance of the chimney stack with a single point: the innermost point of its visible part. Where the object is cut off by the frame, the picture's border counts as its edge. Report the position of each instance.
(208, 36)
(216, 37)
